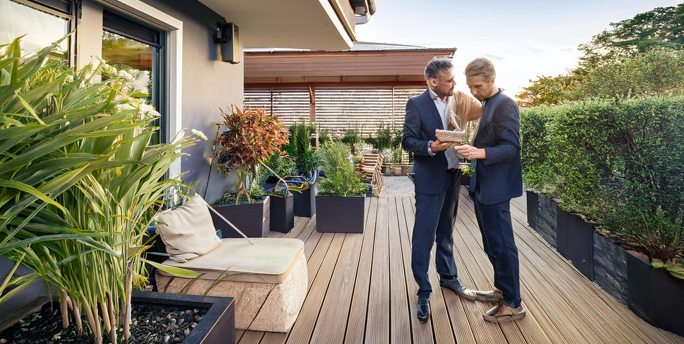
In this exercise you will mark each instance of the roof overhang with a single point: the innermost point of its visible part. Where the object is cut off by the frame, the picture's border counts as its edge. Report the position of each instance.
(301, 24)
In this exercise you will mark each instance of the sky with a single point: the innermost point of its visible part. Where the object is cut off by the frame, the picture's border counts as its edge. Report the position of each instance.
(524, 39)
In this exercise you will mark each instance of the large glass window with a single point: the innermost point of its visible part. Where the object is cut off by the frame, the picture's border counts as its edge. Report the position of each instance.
(136, 51)
(41, 25)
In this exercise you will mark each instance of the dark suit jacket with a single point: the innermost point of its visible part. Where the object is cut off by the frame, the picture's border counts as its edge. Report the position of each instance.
(422, 119)
(500, 175)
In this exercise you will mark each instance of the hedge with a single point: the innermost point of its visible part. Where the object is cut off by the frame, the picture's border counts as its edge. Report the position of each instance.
(621, 164)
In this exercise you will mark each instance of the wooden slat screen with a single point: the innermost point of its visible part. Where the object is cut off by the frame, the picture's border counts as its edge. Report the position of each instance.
(337, 108)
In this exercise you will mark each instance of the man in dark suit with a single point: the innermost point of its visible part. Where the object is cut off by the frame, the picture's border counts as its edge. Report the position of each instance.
(436, 185)
(495, 155)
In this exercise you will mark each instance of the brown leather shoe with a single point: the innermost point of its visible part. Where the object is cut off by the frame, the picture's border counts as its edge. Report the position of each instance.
(502, 313)
(489, 296)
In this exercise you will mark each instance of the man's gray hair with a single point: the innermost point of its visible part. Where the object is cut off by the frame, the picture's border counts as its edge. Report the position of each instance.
(436, 66)
(481, 66)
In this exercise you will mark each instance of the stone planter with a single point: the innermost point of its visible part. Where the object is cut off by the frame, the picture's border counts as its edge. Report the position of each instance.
(252, 219)
(532, 205)
(340, 214)
(282, 213)
(654, 295)
(217, 326)
(305, 202)
(610, 267)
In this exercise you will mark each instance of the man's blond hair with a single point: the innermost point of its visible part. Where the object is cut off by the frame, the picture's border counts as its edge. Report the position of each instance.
(481, 66)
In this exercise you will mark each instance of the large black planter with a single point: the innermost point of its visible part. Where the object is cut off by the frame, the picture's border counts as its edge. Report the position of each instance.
(562, 232)
(305, 202)
(574, 241)
(655, 295)
(217, 326)
(252, 219)
(532, 204)
(546, 219)
(610, 267)
(282, 213)
(24, 296)
(340, 214)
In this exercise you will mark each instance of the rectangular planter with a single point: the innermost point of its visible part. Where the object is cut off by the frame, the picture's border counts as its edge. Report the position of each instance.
(252, 219)
(340, 214)
(610, 267)
(546, 219)
(305, 202)
(217, 326)
(654, 295)
(465, 180)
(562, 232)
(532, 204)
(282, 213)
(581, 245)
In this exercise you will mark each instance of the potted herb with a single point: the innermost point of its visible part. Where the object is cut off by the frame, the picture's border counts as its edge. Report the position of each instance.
(251, 137)
(341, 202)
(307, 163)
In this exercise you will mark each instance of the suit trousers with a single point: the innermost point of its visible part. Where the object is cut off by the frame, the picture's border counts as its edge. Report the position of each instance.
(499, 244)
(435, 218)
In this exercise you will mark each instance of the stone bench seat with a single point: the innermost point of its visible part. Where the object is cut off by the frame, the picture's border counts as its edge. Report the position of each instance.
(268, 280)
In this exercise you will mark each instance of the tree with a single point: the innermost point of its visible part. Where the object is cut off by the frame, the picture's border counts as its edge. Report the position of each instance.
(546, 90)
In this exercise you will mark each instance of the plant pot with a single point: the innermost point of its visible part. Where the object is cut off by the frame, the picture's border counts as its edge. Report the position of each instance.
(581, 244)
(24, 296)
(282, 213)
(532, 204)
(396, 170)
(305, 202)
(218, 325)
(340, 214)
(410, 169)
(546, 219)
(610, 267)
(654, 295)
(404, 170)
(252, 219)
(465, 180)
(562, 232)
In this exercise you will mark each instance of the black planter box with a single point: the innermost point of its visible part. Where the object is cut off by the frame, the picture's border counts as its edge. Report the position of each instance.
(562, 232)
(252, 219)
(217, 326)
(465, 180)
(282, 213)
(532, 204)
(547, 221)
(305, 202)
(340, 214)
(610, 267)
(654, 295)
(581, 245)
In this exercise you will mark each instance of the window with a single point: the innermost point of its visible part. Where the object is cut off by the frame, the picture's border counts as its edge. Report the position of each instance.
(137, 50)
(42, 23)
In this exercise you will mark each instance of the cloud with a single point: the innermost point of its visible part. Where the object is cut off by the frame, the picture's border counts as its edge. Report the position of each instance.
(494, 57)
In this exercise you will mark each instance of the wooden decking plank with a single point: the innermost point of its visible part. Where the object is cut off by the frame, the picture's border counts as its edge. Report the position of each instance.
(378, 320)
(400, 322)
(303, 328)
(330, 327)
(250, 337)
(420, 333)
(238, 335)
(527, 330)
(675, 339)
(299, 224)
(441, 324)
(356, 323)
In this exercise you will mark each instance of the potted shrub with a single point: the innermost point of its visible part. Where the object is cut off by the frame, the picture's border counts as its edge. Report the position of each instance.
(341, 202)
(85, 182)
(251, 137)
(307, 163)
(466, 173)
(282, 200)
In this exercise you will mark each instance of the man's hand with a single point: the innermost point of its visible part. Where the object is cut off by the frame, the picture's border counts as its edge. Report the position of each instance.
(438, 146)
(469, 152)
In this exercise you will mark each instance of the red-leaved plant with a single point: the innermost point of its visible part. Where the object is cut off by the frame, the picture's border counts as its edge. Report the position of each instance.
(253, 135)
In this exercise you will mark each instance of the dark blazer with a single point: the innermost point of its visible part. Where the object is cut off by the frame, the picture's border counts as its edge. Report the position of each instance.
(500, 175)
(422, 119)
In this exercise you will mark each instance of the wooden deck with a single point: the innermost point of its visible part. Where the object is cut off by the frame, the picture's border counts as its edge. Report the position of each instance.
(361, 289)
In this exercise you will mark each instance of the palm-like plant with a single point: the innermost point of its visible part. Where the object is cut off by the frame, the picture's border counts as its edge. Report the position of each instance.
(77, 181)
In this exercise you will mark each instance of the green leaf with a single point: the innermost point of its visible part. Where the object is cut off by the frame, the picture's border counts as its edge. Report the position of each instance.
(178, 272)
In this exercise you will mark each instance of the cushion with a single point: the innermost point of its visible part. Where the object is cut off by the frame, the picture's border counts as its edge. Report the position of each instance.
(268, 260)
(188, 230)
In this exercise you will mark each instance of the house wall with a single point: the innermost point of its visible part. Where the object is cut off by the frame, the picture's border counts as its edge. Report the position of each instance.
(208, 84)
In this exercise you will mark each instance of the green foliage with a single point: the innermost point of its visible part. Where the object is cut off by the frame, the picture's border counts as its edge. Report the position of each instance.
(323, 137)
(384, 138)
(282, 165)
(547, 90)
(342, 179)
(396, 140)
(351, 138)
(620, 164)
(78, 179)
(306, 159)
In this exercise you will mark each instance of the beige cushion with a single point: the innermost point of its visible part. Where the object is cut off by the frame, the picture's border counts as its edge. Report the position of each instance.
(188, 230)
(269, 260)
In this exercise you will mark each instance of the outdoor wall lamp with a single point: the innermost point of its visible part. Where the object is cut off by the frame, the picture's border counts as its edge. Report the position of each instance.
(227, 35)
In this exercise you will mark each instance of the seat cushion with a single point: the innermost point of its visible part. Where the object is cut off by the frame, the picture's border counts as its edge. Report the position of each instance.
(188, 231)
(268, 260)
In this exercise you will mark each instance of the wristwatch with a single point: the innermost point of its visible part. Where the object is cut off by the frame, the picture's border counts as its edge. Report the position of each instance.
(430, 148)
